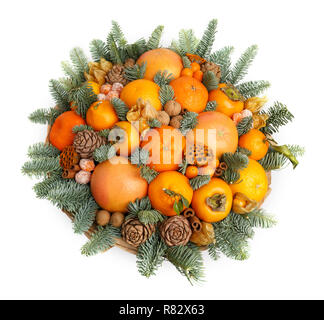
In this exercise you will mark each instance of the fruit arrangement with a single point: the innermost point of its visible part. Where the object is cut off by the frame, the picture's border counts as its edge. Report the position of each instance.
(164, 152)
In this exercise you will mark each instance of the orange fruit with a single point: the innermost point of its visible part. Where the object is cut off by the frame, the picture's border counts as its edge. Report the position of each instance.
(256, 142)
(217, 128)
(61, 134)
(128, 138)
(166, 145)
(171, 180)
(95, 87)
(195, 66)
(116, 182)
(161, 59)
(253, 182)
(213, 201)
(141, 88)
(198, 75)
(101, 115)
(224, 103)
(191, 172)
(186, 72)
(190, 93)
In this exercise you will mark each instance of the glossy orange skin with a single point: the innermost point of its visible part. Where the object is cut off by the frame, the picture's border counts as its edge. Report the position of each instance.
(114, 185)
(172, 180)
(132, 140)
(224, 103)
(226, 135)
(141, 88)
(101, 115)
(61, 134)
(203, 211)
(186, 72)
(168, 144)
(159, 60)
(253, 182)
(195, 66)
(256, 142)
(198, 75)
(95, 87)
(191, 172)
(190, 93)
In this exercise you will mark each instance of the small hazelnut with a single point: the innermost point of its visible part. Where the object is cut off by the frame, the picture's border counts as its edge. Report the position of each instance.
(172, 108)
(117, 219)
(163, 117)
(102, 217)
(176, 121)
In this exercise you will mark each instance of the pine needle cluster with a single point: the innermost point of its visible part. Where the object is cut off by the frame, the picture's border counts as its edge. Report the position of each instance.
(135, 72)
(104, 153)
(148, 173)
(163, 78)
(166, 93)
(235, 162)
(199, 181)
(188, 122)
(211, 106)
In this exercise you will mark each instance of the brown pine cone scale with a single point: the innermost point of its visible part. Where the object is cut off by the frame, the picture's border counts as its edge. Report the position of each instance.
(86, 142)
(116, 74)
(211, 66)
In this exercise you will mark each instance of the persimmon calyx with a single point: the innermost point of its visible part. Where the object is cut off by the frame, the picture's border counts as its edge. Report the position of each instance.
(232, 93)
(287, 153)
(217, 202)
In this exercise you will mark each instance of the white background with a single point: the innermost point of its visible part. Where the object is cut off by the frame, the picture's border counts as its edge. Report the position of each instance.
(39, 254)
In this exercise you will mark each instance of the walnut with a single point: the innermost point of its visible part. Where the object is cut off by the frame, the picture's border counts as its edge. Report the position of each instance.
(102, 217)
(176, 121)
(163, 117)
(172, 108)
(117, 219)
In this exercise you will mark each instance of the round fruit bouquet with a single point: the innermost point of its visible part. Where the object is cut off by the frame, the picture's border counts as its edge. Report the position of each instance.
(163, 152)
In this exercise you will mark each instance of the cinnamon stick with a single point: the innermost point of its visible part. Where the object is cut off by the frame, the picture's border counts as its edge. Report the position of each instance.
(189, 212)
(218, 172)
(195, 224)
(75, 168)
(68, 174)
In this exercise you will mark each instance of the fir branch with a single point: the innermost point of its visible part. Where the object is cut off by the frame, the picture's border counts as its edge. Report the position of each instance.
(118, 34)
(230, 176)
(236, 161)
(206, 43)
(44, 116)
(199, 181)
(101, 240)
(163, 78)
(140, 157)
(117, 55)
(136, 49)
(155, 38)
(260, 219)
(42, 188)
(273, 161)
(104, 153)
(222, 58)
(296, 150)
(187, 42)
(154, 123)
(150, 255)
(285, 151)
(135, 72)
(210, 81)
(244, 126)
(42, 150)
(41, 167)
(60, 95)
(85, 216)
(81, 128)
(211, 106)
(188, 262)
(98, 50)
(166, 93)
(245, 151)
(120, 108)
(186, 62)
(75, 77)
(241, 67)
(183, 166)
(104, 133)
(138, 205)
(69, 195)
(213, 251)
(83, 98)
(79, 61)
(253, 88)
(148, 174)
(188, 122)
(150, 216)
(240, 225)
(279, 115)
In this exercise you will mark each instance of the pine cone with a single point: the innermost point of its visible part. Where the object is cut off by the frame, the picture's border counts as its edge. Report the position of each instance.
(129, 63)
(69, 157)
(135, 233)
(116, 74)
(211, 66)
(176, 231)
(86, 141)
